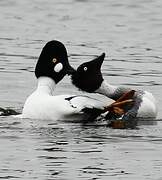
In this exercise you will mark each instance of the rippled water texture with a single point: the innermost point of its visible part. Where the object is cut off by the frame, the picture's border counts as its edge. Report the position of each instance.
(130, 33)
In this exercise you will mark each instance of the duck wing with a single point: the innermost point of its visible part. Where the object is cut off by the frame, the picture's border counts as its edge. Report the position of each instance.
(127, 119)
(122, 105)
(90, 107)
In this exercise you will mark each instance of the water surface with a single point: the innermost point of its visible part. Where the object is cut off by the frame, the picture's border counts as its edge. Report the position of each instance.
(129, 32)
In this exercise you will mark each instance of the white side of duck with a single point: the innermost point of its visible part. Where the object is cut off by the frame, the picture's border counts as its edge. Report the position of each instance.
(42, 104)
(148, 106)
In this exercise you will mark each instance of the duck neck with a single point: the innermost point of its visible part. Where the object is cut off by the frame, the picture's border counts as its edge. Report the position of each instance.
(106, 89)
(46, 85)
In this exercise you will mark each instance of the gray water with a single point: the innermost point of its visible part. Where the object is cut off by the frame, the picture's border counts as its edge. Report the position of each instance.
(130, 33)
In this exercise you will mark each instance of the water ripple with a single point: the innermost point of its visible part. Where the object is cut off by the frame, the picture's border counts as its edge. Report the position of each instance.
(129, 32)
(18, 55)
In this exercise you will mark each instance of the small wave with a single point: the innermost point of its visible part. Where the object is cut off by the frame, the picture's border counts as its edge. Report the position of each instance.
(19, 55)
(146, 83)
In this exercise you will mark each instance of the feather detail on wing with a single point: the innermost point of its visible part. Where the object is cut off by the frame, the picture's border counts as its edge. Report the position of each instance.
(123, 104)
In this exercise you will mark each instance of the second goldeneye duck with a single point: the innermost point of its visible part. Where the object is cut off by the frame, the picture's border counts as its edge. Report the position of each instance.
(89, 78)
(51, 67)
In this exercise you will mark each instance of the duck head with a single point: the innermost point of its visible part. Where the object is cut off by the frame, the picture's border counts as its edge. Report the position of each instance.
(88, 76)
(53, 62)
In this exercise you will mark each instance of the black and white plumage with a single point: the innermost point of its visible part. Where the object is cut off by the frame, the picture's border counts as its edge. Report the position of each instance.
(145, 103)
(42, 104)
(92, 81)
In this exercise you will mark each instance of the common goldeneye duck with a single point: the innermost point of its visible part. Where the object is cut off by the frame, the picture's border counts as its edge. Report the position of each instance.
(51, 67)
(88, 77)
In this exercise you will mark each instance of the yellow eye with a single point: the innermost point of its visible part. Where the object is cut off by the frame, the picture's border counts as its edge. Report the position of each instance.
(54, 60)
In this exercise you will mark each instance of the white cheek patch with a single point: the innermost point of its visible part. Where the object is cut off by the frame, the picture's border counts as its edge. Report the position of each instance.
(58, 67)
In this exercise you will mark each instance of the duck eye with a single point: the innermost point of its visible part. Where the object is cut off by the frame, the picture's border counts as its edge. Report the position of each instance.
(54, 60)
(85, 68)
